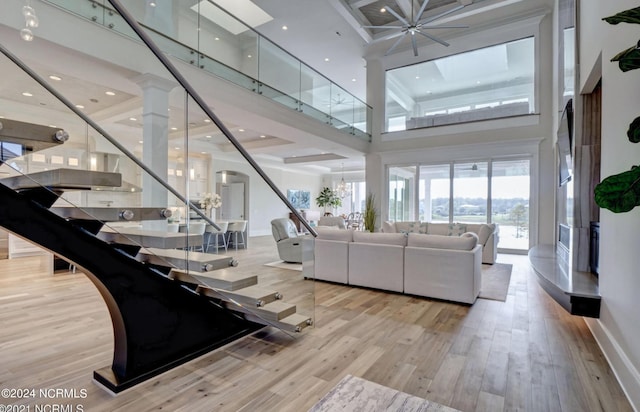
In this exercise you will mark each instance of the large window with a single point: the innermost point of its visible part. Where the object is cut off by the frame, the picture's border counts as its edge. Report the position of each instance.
(495, 191)
(488, 83)
(402, 198)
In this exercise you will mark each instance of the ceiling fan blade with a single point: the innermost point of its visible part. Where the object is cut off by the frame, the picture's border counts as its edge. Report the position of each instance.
(454, 26)
(437, 16)
(395, 45)
(397, 16)
(414, 45)
(424, 6)
(382, 27)
(444, 43)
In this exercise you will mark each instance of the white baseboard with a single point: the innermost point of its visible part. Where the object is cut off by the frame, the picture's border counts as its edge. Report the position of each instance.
(627, 375)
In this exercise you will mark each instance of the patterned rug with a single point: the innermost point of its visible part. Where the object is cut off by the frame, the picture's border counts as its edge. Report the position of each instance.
(495, 281)
(354, 394)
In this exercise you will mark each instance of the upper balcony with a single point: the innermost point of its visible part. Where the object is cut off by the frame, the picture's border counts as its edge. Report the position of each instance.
(210, 38)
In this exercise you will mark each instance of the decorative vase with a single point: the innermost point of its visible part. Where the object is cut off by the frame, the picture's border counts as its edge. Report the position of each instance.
(212, 214)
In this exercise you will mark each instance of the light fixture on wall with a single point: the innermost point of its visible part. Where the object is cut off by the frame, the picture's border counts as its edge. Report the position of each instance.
(343, 190)
(30, 21)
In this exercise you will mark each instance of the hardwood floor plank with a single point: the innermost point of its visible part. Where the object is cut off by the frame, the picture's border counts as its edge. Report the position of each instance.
(525, 354)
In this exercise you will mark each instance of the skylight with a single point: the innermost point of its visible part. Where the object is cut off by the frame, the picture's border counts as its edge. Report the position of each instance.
(244, 10)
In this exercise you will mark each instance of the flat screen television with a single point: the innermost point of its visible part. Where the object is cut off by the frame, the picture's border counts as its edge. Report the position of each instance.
(564, 143)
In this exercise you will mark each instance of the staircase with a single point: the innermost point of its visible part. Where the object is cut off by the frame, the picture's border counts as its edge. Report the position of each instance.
(167, 306)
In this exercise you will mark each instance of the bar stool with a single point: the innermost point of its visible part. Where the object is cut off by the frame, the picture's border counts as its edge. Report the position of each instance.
(215, 234)
(195, 228)
(238, 226)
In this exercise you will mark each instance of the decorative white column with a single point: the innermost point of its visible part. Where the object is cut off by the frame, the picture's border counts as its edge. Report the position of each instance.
(155, 137)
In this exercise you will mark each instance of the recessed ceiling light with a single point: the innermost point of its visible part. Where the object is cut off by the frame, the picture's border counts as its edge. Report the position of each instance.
(326, 59)
(27, 94)
(285, 28)
(177, 148)
(249, 56)
(174, 128)
(217, 38)
(109, 93)
(140, 141)
(152, 3)
(207, 120)
(383, 10)
(133, 119)
(241, 130)
(353, 80)
(53, 126)
(208, 136)
(79, 106)
(203, 152)
(262, 136)
(56, 78)
(478, 82)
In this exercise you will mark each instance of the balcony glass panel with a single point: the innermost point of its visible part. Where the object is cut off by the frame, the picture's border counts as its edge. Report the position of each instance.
(488, 83)
(206, 36)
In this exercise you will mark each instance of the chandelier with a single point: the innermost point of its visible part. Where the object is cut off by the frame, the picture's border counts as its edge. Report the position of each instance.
(30, 21)
(343, 190)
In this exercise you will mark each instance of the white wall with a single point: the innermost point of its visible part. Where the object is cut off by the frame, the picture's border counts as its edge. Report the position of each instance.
(618, 329)
(264, 204)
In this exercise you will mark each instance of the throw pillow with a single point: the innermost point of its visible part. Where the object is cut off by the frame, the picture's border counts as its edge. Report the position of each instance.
(457, 229)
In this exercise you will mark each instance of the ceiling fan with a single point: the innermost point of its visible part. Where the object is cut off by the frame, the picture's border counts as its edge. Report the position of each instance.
(416, 25)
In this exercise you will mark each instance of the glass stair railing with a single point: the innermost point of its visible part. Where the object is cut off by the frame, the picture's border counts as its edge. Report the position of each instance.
(207, 36)
(132, 221)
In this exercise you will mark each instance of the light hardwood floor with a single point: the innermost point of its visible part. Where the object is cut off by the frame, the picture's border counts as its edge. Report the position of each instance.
(524, 354)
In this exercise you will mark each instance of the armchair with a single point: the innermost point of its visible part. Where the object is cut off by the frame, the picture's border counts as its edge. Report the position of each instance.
(287, 239)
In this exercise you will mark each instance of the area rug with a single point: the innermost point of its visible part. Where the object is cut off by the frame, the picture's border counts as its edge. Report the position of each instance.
(495, 281)
(285, 265)
(355, 394)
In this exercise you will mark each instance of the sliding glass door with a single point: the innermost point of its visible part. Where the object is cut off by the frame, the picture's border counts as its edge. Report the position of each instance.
(470, 191)
(510, 202)
(484, 191)
(435, 193)
(402, 197)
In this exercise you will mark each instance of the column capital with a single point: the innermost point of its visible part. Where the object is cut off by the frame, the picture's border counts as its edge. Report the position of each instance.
(149, 80)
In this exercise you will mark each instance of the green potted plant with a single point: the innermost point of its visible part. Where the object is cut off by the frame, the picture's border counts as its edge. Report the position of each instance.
(370, 213)
(328, 199)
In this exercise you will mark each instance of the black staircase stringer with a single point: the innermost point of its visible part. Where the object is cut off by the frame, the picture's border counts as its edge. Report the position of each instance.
(157, 324)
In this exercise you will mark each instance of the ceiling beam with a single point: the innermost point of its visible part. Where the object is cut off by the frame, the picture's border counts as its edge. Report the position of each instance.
(356, 4)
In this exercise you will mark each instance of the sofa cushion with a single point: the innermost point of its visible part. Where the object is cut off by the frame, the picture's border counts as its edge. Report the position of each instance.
(438, 229)
(457, 229)
(466, 242)
(388, 227)
(483, 233)
(407, 227)
(398, 239)
(333, 233)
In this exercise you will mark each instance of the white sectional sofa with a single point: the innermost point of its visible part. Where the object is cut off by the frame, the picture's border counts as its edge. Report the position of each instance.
(436, 266)
(443, 267)
(488, 233)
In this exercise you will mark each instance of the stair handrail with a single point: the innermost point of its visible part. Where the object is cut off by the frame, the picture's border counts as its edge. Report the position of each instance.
(135, 26)
(35, 76)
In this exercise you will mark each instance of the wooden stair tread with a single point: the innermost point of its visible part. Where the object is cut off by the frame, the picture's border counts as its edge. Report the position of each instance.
(252, 295)
(292, 323)
(182, 259)
(223, 279)
(272, 312)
